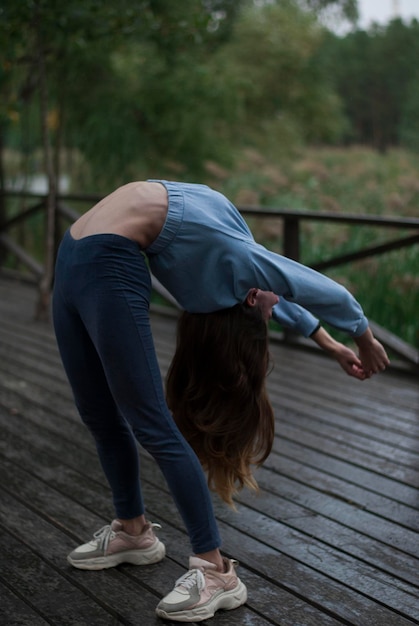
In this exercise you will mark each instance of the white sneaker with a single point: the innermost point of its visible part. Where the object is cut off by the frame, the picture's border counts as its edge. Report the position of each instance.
(111, 546)
(203, 590)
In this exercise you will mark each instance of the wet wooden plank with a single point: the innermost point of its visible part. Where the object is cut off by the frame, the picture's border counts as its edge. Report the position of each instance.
(16, 610)
(331, 539)
(54, 445)
(28, 571)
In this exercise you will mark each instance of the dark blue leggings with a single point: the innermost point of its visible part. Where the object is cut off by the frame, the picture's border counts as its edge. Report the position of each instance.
(101, 319)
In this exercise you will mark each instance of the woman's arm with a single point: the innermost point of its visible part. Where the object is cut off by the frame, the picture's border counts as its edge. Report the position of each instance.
(372, 356)
(307, 296)
(297, 284)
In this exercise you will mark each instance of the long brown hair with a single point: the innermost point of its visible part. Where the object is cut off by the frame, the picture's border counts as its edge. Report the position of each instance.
(217, 394)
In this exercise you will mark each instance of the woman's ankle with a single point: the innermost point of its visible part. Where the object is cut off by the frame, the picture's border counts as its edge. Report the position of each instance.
(133, 526)
(214, 556)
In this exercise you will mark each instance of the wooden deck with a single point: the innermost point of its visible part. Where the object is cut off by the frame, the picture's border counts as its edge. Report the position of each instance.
(331, 539)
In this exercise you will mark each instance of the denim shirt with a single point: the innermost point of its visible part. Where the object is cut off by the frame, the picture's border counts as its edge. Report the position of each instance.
(207, 258)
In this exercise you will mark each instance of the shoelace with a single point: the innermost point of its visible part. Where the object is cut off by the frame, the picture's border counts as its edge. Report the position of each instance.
(105, 534)
(191, 578)
(103, 537)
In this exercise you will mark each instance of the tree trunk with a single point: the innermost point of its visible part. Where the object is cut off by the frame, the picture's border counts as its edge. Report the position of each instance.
(42, 311)
(2, 192)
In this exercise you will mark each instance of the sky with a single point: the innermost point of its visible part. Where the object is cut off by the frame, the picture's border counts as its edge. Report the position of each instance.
(382, 11)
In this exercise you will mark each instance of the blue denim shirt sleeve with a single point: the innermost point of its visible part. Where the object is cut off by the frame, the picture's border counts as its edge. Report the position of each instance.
(317, 295)
(295, 317)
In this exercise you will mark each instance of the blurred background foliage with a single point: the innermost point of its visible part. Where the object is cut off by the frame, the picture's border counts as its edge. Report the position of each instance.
(155, 87)
(260, 98)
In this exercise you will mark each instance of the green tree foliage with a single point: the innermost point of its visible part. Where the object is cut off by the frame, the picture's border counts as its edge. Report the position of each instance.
(57, 37)
(283, 95)
(157, 101)
(409, 123)
(142, 86)
(376, 74)
(112, 116)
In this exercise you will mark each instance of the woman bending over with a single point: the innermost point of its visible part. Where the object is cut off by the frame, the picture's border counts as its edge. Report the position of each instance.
(220, 419)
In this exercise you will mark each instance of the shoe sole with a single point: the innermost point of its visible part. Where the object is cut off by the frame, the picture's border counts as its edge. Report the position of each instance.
(228, 601)
(147, 556)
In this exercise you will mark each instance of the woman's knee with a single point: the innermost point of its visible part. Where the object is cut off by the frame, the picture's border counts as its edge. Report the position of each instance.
(163, 443)
(104, 424)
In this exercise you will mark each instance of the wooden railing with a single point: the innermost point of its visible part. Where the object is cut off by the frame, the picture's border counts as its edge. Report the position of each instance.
(292, 225)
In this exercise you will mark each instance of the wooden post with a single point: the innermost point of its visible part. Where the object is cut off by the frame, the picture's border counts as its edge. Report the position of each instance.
(42, 310)
(292, 238)
(292, 251)
(3, 214)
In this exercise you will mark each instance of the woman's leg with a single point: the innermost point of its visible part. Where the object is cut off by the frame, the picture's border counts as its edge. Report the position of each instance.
(115, 443)
(101, 303)
(135, 381)
(130, 538)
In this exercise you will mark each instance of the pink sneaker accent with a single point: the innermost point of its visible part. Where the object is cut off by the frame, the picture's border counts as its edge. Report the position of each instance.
(111, 546)
(202, 591)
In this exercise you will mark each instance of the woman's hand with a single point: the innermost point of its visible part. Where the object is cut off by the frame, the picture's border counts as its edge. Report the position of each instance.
(371, 353)
(349, 361)
(372, 356)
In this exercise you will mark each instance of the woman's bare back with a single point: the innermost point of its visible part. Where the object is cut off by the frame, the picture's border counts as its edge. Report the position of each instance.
(137, 211)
